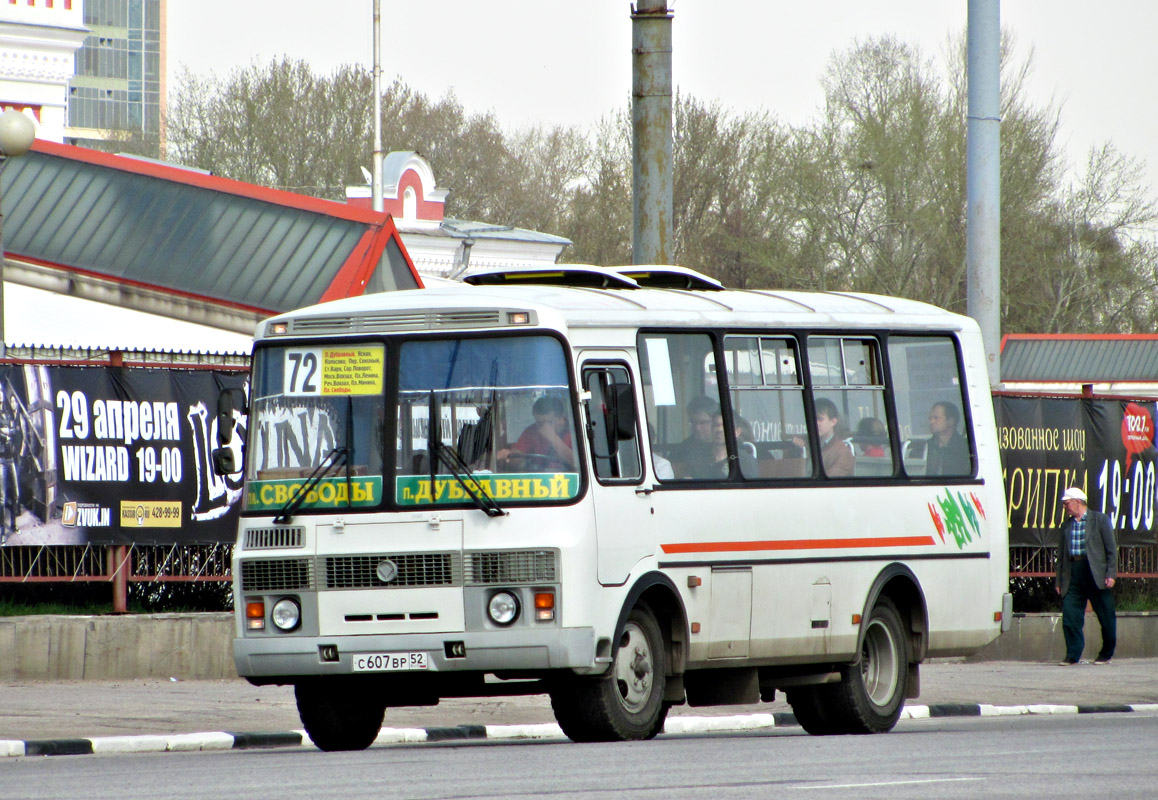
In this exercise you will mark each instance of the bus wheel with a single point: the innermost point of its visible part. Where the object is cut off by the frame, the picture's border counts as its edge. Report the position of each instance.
(810, 706)
(339, 715)
(625, 703)
(871, 693)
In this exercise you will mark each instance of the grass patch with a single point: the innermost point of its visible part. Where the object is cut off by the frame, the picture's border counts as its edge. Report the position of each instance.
(15, 608)
(18, 600)
(90, 599)
(1136, 594)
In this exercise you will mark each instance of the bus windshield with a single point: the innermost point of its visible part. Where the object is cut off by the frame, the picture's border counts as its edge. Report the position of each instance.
(504, 415)
(317, 413)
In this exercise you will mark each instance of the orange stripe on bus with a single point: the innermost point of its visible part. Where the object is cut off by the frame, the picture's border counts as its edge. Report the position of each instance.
(800, 544)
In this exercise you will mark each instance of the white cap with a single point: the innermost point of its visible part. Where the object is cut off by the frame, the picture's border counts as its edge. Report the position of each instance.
(1074, 493)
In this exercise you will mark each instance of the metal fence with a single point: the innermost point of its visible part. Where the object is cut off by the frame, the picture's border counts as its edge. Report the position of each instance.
(1040, 562)
(211, 562)
(128, 563)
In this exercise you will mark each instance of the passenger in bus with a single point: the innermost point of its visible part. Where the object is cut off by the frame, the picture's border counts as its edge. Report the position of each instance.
(546, 443)
(874, 437)
(948, 451)
(696, 454)
(835, 453)
(744, 436)
(746, 452)
(662, 467)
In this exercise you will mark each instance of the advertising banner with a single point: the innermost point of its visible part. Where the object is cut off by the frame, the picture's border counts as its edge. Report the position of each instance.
(1104, 447)
(106, 455)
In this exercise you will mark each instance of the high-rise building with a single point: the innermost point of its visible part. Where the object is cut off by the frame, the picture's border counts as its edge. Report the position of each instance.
(118, 91)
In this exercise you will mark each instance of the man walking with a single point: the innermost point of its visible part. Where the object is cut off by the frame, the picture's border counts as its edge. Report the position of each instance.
(1087, 562)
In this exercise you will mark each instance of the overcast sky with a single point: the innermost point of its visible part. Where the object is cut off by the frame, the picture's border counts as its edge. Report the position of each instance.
(569, 62)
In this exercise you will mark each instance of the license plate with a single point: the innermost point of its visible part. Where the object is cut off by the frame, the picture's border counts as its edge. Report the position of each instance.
(390, 662)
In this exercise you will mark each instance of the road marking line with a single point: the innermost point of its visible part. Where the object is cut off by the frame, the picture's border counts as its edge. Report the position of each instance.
(885, 783)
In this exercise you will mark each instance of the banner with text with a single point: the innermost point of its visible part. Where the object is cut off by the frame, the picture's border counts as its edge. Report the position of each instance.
(103, 455)
(1104, 447)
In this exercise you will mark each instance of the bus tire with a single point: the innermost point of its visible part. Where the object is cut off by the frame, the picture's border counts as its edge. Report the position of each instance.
(339, 716)
(810, 706)
(871, 694)
(627, 702)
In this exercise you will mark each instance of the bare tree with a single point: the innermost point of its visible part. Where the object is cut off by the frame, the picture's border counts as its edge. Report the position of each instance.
(869, 197)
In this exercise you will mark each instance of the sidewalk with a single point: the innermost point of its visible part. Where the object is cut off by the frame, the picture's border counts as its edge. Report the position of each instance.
(70, 710)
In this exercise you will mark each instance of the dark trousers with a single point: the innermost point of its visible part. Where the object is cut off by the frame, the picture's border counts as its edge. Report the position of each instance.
(1083, 588)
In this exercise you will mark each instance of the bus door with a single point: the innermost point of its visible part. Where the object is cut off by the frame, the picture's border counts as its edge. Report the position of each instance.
(625, 530)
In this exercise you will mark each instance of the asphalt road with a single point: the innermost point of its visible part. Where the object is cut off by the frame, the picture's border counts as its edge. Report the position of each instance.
(72, 709)
(1060, 757)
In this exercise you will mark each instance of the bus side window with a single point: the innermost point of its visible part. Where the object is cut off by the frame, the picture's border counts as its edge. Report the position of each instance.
(930, 406)
(613, 427)
(767, 398)
(851, 426)
(682, 396)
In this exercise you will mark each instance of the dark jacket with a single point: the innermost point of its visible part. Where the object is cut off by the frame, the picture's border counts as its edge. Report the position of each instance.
(952, 458)
(1101, 550)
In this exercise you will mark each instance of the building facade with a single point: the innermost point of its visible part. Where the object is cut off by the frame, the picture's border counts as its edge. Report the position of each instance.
(443, 248)
(119, 87)
(38, 40)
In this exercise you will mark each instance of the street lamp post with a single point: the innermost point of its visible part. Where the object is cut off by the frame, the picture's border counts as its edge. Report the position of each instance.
(17, 133)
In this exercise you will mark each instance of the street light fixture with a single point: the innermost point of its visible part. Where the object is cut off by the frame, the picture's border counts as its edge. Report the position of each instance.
(17, 133)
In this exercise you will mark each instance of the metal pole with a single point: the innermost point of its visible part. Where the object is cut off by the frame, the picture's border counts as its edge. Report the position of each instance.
(983, 178)
(119, 576)
(376, 178)
(3, 346)
(17, 134)
(651, 128)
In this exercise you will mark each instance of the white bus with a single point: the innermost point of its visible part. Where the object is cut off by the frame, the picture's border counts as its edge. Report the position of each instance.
(625, 488)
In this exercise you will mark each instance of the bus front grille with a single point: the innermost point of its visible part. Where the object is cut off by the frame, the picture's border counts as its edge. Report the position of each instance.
(409, 569)
(276, 574)
(510, 566)
(274, 538)
(395, 321)
(467, 319)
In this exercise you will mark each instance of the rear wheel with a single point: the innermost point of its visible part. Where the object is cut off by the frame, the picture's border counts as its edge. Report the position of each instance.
(340, 714)
(627, 702)
(871, 692)
(810, 705)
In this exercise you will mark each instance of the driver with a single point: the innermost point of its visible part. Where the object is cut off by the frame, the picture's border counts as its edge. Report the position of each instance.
(549, 436)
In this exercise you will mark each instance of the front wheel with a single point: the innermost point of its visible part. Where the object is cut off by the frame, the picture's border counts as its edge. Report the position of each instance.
(340, 714)
(627, 702)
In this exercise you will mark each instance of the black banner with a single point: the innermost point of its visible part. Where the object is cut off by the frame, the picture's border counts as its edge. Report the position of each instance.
(1104, 447)
(107, 455)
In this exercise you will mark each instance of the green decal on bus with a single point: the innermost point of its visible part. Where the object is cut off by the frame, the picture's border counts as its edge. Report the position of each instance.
(329, 492)
(414, 490)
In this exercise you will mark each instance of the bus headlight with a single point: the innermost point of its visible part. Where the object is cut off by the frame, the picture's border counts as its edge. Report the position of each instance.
(503, 608)
(286, 614)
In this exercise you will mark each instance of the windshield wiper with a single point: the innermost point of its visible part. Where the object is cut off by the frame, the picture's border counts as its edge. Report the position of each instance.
(465, 476)
(441, 453)
(333, 459)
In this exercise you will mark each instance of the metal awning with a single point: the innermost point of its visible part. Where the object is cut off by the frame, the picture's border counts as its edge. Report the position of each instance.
(158, 232)
(1078, 358)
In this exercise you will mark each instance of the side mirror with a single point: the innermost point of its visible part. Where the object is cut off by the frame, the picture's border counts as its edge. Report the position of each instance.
(624, 412)
(224, 461)
(227, 402)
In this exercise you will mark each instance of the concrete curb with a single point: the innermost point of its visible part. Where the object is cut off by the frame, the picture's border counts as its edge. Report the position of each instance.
(200, 646)
(675, 726)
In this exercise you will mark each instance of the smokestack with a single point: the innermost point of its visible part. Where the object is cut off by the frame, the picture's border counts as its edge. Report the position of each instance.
(651, 132)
